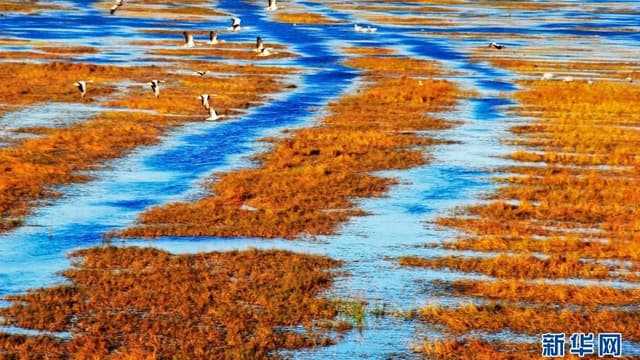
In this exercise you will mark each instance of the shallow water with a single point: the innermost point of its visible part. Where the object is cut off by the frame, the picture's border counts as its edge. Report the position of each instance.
(399, 222)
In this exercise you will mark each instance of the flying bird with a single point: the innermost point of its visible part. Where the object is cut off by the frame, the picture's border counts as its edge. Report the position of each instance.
(547, 76)
(213, 116)
(201, 73)
(235, 24)
(259, 44)
(495, 45)
(155, 86)
(188, 40)
(115, 6)
(82, 87)
(204, 98)
(272, 6)
(266, 52)
(362, 29)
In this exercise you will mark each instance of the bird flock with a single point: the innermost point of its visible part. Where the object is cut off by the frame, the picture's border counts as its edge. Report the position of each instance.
(189, 42)
(155, 88)
(262, 50)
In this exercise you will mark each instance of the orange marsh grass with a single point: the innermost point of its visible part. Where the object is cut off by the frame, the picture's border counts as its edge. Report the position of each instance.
(496, 317)
(146, 303)
(544, 293)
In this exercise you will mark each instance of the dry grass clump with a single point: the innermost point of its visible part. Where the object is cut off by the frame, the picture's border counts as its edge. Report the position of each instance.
(189, 10)
(28, 83)
(27, 6)
(47, 52)
(303, 18)
(544, 293)
(385, 8)
(69, 49)
(496, 317)
(464, 349)
(179, 94)
(410, 20)
(520, 266)
(307, 183)
(145, 303)
(357, 50)
(240, 54)
(582, 246)
(591, 69)
(31, 55)
(395, 65)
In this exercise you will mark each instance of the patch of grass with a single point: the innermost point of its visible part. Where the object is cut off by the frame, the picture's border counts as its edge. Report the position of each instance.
(496, 317)
(147, 303)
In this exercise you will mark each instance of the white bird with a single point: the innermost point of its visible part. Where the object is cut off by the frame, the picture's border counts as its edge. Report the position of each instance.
(213, 37)
(235, 24)
(259, 44)
(362, 29)
(188, 40)
(629, 79)
(266, 52)
(116, 6)
(547, 76)
(213, 116)
(82, 87)
(272, 6)
(204, 98)
(496, 46)
(568, 79)
(155, 86)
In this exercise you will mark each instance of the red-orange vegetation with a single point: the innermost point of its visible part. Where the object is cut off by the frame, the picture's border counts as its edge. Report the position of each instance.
(29, 83)
(303, 18)
(176, 9)
(410, 20)
(538, 66)
(218, 67)
(306, 184)
(31, 55)
(179, 94)
(544, 293)
(69, 49)
(27, 6)
(521, 266)
(465, 349)
(395, 65)
(496, 317)
(144, 303)
(227, 53)
(358, 50)
(587, 248)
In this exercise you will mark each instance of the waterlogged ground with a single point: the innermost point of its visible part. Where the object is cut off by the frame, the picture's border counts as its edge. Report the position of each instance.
(455, 34)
